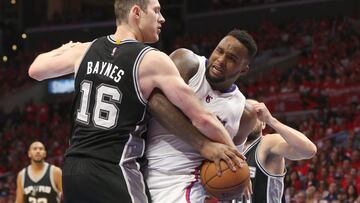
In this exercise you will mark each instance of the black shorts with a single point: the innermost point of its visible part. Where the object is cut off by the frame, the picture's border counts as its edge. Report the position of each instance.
(87, 180)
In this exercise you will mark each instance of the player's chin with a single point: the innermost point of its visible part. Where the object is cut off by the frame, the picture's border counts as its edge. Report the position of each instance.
(153, 39)
(38, 160)
(215, 78)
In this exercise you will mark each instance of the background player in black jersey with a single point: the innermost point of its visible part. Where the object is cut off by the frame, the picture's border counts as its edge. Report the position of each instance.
(40, 182)
(266, 154)
(115, 76)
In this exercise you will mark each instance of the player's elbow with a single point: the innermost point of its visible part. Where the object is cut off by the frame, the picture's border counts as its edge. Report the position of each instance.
(313, 150)
(37, 67)
(33, 74)
(310, 152)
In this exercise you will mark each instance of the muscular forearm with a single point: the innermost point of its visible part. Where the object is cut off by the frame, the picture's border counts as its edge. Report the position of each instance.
(174, 120)
(297, 140)
(213, 129)
(203, 120)
(58, 62)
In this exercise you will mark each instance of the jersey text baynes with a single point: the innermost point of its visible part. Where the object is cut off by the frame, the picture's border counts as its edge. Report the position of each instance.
(105, 68)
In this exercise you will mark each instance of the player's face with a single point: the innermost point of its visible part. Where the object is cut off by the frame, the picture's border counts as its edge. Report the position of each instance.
(227, 62)
(37, 152)
(257, 130)
(151, 21)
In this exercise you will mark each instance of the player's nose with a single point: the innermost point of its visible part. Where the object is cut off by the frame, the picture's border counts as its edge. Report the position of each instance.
(162, 19)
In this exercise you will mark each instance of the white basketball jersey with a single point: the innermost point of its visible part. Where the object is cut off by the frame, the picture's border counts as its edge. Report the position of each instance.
(166, 152)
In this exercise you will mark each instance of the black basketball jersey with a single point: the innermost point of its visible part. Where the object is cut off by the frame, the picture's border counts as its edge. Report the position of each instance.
(267, 188)
(108, 107)
(42, 190)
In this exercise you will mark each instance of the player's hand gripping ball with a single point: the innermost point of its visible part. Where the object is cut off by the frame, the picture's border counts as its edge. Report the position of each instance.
(230, 185)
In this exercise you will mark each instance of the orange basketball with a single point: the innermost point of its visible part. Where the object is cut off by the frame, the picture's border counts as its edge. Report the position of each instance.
(229, 185)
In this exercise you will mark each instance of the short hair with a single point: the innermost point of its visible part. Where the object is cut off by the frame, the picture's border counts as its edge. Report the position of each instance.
(246, 39)
(122, 8)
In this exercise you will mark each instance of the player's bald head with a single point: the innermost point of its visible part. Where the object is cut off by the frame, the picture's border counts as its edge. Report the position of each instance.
(37, 144)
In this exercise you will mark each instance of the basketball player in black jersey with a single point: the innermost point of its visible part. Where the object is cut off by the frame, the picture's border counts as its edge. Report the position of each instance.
(266, 154)
(114, 78)
(40, 182)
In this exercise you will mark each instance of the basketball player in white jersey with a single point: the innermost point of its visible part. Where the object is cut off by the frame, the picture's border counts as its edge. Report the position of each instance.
(172, 173)
(39, 182)
(266, 154)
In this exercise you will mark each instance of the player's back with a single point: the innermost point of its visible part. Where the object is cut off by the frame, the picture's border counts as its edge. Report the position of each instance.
(109, 111)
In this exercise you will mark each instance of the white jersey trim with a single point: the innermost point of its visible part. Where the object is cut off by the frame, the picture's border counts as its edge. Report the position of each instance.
(252, 145)
(271, 188)
(30, 173)
(127, 165)
(22, 174)
(52, 181)
(112, 40)
(140, 56)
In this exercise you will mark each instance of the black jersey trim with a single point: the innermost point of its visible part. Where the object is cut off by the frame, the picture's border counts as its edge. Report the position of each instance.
(263, 168)
(138, 59)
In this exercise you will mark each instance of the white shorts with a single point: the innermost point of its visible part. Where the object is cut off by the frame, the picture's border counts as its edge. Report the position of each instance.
(168, 187)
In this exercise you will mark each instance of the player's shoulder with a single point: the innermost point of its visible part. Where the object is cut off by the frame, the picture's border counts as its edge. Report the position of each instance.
(270, 140)
(155, 55)
(186, 61)
(184, 55)
(155, 59)
(82, 46)
(56, 172)
(21, 173)
(183, 52)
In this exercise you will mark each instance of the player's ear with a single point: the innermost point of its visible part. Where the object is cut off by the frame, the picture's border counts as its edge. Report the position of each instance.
(244, 69)
(135, 11)
(263, 125)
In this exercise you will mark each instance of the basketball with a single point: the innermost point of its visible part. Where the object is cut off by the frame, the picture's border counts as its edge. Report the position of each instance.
(229, 185)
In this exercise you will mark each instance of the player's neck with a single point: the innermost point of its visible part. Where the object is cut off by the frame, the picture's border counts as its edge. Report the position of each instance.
(36, 167)
(124, 32)
(251, 138)
(223, 87)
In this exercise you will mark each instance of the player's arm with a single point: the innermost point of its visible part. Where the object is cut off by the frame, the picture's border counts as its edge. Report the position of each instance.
(176, 122)
(58, 62)
(247, 124)
(19, 188)
(57, 173)
(186, 62)
(158, 71)
(289, 142)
